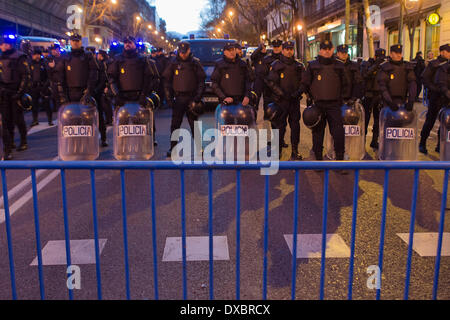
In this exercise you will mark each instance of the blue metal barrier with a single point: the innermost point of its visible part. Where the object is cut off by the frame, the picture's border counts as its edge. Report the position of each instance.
(151, 166)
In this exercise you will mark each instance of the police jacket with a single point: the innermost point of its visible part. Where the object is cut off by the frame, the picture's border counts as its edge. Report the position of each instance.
(428, 75)
(354, 90)
(442, 80)
(102, 77)
(285, 77)
(257, 58)
(14, 71)
(231, 78)
(39, 74)
(419, 66)
(325, 79)
(184, 77)
(161, 63)
(266, 63)
(369, 71)
(397, 81)
(77, 70)
(133, 72)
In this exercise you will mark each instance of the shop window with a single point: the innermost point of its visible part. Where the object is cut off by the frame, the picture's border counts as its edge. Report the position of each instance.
(432, 38)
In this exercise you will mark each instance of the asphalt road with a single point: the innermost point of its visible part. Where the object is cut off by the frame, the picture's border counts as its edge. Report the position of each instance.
(43, 146)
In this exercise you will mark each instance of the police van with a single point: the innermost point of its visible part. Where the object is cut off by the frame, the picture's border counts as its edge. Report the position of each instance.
(208, 51)
(28, 44)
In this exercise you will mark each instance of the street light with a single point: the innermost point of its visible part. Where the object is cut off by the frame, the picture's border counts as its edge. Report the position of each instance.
(150, 26)
(299, 27)
(230, 13)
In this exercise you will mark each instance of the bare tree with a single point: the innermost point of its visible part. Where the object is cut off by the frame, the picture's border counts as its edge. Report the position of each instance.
(369, 28)
(413, 21)
(95, 11)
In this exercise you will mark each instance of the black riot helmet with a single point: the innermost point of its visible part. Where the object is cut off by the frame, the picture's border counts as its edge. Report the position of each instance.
(253, 99)
(272, 111)
(312, 116)
(155, 99)
(25, 102)
(400, 118)
(197, 108)
(349, 115)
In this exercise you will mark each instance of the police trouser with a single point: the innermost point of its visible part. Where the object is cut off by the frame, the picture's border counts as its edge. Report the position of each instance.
(54, 97)
(433, 110)
(290, 112)
(36, 105)
(331, 113)
(181, 107)
(107, 108)
(373, 105)
(12, 115)
(101, 116)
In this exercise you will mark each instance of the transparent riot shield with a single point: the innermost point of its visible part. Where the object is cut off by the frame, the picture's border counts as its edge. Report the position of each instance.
(78, 137)
(398, 134)
(353, 119)
(237, 139)
(444, 118)
(133, 132)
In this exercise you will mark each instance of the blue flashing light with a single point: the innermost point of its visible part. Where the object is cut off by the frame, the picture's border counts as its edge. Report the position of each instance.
(114, 43)
(140, 43)
(11, 36)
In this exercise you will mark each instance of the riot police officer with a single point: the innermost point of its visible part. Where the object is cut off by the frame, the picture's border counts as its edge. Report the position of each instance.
(161, 64)
(326, 82)
(99, 92)
(76, 74)
(372, 98)
(257, 59)
(52, 61)
(132, 76)
(14, 83)
(354, 88)
(435, 97)
(231, 78)
(397, 81)
(39, 87)
(184, 83)
(284, 81)
(261, 87)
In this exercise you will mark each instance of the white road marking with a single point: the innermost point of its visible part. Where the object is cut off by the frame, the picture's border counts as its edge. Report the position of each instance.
(28, 196)
(425, 243)
(197, 249)
(81, 252)
(310, 246)
(42, 126)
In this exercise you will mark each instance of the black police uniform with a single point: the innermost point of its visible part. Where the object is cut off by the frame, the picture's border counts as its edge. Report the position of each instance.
(442, 79)
(76, 75)
(14, 82)
(132, 77)
(231, 78)
(161, 62)
(184, 82)
(326, 82)
(53, 78)
(372, 102)
(354, 89)
(39, 89)
(284, 80)
(435, 97)
(397, 82)
(99, 95)
(263, 71)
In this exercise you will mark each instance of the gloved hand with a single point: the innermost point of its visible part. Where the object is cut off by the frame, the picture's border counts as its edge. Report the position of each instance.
(350, 101)
(87, 98)
(309, 101)
(409, 105)
(197, 99)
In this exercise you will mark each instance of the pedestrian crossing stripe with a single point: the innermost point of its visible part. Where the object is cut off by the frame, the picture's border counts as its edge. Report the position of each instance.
(197, 249)
(425, 243)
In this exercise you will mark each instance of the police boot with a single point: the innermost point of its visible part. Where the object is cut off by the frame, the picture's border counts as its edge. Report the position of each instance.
(340, 157)
(104, 143)
(8, 155)
(294, 155)
(319, 157)
(34, 123)
(23, 146)
(438, 147)
(423, 146)
(374, 144)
